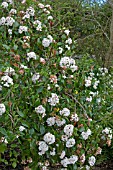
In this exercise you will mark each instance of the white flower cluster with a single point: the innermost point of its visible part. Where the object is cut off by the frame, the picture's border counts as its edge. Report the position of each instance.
(92, 161)
(31, 55)
(9, 71)
(47, 41)
(103, 71)
(68, 130)
(9, 21)
(30, 11)
(88, 81)
(2, 109)
(95, 85)
(67, 161)
(4, 4)
(54, 99)
(48, 140)
(6, 81)
(38, 25)
(41, 110)
(52, 120)
(13, 11)
(65, 112)
(86, 134)
(74, 117)
(68, 62)
(43, 147)
(70, 142)
(22, 29)
(108, 132)
(35, 77)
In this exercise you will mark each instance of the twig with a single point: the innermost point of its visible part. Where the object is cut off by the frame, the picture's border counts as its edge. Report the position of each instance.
(85, 114)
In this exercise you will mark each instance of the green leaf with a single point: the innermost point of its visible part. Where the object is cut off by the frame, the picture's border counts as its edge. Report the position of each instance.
(21, 114)
(74, 167)
(42, 129)
(14, 164)
(2, 148)
(3, 131)
(39, 90)
(6, 47)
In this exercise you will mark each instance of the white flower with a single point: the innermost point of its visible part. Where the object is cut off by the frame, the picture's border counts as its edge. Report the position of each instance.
(41, 110)
(24, 67)
(50, 38)
(65, 61)
(50, 17)
(50, 121)
(70, 143)
(64, 138)
(60, 122)
(60, 50)
(4, 4)
(43, 147)
(87, 83)
(5, 141)
(69, 41)
(65, 162)
(65, 112)
(108, 132)
(46, 42)
(54, 99)
(37, 22)
(67, 46)
(13, 11)
(52, 153)
(26, 16)
(2, 109)
(89, 99)
(21, 128)
(35, 77)
(82, 158)
(73, 159)
(74, 117)
(62, 154)
(10, 71)
(10, 31)
(2, 21)
(31, 55)
(89, 132)
(0, 88)
(86, 134)
(66, 32)
(92, 161)
(9, 21)
(40, 5)
(87, 167)
(49, 138)
(22, 29)
(68, 129)
(30, 11)
(39, 28)
(74, 68)
(10, 1)
(7, 81)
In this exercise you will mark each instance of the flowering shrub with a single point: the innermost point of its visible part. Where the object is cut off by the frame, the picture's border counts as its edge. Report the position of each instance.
(51, 104)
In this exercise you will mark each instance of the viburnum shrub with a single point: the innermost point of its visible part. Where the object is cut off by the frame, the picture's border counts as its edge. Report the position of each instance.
(52, 105)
